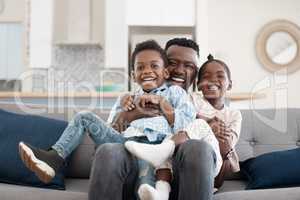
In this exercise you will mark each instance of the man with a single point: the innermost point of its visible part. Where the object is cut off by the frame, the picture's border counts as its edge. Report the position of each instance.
(115, 171)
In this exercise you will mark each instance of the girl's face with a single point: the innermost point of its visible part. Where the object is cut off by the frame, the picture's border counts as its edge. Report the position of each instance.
(149, 70)
(214, 81)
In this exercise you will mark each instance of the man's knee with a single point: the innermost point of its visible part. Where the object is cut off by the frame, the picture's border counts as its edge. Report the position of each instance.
(194, 152)
(111, 152)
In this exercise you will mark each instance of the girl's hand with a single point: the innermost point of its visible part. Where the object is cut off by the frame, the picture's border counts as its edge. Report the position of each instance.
(216, 125)
(223, 134)
(127, 102)
(225, 142)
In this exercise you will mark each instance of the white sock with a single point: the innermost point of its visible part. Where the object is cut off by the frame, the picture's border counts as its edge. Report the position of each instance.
(161, 192)
(156, 154)
(163, 188)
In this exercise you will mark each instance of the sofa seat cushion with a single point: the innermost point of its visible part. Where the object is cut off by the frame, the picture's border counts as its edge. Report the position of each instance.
(36, 130)
(265, 194)
(232, 185)
(276, 169)
(77, 185)
(10, 191)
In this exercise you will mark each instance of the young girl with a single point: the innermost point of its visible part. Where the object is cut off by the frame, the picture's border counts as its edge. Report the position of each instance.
(214, 79)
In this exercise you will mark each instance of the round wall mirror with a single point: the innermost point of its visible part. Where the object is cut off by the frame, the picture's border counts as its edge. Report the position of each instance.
(278, 46)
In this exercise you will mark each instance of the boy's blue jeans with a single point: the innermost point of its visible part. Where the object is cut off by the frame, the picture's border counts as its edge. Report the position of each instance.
(100, 133)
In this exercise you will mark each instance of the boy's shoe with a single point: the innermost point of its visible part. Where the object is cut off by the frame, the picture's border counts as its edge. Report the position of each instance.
(43, 163)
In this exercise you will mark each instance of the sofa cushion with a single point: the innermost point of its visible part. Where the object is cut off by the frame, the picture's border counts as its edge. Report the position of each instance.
(268, 130)
(16, 192)
(276, 169)
(36, 130)
(270, 194)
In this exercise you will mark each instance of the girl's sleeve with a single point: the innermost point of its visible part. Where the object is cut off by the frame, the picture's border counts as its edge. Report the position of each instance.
(235, 125)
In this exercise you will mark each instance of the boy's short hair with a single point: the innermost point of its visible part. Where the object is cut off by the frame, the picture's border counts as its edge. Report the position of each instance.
(184, 42)
(149, 45)
(210, 59)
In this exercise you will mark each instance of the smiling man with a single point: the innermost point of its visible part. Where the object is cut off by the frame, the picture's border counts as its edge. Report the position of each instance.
(189, 184)
(183, 56)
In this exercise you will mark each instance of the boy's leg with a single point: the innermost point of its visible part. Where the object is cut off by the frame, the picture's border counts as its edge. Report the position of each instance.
(83, 122)
(157, 154)
(146, 176)
(162, 186)
(46, 163)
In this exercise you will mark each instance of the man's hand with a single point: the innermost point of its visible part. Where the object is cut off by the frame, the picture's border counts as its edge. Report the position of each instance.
(127, 102)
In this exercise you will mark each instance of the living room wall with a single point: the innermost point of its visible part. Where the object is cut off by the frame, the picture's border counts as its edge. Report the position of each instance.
(231, 35)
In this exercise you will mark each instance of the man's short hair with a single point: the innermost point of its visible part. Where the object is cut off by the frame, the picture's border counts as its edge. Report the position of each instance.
(184, 42)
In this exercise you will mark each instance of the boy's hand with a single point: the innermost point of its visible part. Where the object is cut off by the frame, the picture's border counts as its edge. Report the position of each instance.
(147, 99)
(127, 102)
(152, 100)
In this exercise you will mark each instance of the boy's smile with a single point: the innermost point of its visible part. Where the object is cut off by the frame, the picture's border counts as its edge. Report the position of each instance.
(149, 70)
(214, 82)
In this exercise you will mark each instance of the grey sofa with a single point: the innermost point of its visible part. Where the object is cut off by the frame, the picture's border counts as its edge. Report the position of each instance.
(262, 131)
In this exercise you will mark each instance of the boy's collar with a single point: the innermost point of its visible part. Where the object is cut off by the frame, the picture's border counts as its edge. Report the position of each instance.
(161, 88)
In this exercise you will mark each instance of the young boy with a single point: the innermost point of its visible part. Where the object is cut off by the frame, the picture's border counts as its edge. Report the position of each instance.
(148, 62)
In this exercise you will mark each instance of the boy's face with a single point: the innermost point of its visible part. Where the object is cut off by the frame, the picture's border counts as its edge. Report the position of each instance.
(149, 70)
(182, 65)
(214, 81)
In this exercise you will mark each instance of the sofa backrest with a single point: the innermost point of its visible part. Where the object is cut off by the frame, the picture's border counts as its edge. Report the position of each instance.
(263, 130)
(82, 157)
(267, 130)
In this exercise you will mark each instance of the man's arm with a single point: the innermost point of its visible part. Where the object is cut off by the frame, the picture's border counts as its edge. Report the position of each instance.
(168, 111)
(123, 119)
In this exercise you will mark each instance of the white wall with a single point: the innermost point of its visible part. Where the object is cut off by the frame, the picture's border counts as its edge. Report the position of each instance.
(116, 34)
(119, 15)
(41, 19)
(161, 13)
(12, 11)
(232, 29)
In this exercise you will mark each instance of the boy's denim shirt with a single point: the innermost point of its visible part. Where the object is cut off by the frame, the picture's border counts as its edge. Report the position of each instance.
(156, 128)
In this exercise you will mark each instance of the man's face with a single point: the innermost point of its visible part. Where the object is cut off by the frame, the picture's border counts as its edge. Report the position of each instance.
(182, 65)
(149, 70)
